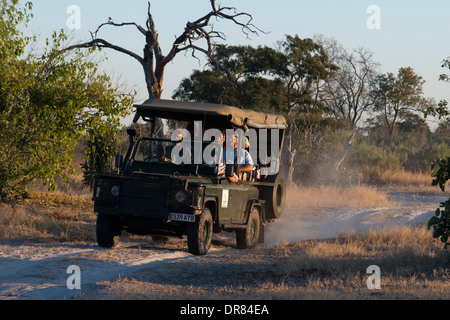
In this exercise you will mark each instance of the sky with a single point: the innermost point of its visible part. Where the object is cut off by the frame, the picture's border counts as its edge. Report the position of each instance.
(400, 33)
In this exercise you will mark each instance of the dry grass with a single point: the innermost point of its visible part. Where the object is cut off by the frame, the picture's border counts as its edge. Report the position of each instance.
(58, 215)
(47, 216)
(393, 248)
(399, 177)
(413, 266)
(401, 180)
(406, 178)
(337, 197)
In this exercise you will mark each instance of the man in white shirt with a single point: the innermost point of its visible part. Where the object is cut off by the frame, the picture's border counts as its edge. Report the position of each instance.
(246, 161)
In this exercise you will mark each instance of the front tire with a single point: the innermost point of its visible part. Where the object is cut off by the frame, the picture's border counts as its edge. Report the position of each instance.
(108, 230)
(199, 234)
(248, 237)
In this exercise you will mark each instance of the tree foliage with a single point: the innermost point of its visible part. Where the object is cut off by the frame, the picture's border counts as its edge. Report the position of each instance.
(441, 110)
(48, 101)
(283, 81)
(347, 93)
(440, 222)
(399, 96)
(100, 150)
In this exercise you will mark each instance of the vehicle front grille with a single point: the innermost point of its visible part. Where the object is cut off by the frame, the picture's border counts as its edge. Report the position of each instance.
(145, 195)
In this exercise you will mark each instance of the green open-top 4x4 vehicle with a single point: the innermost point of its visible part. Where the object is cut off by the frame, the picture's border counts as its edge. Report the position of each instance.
(151, 194)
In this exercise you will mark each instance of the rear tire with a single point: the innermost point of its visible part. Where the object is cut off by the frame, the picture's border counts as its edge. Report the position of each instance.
(248, 237)
(199, 233)
(108, 230)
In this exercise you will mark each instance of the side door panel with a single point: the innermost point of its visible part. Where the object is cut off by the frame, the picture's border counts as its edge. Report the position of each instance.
(232, 201)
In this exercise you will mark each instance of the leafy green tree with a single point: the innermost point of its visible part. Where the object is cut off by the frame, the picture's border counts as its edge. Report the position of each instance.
(285, 80)
(289, 75)
(253, 92)
(399, 97)
(346, 94)
(100, 152)
(440, 222)
(441, 110)
(48, 102)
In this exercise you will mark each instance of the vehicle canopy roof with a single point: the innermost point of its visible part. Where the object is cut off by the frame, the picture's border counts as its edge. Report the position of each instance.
(212, 115)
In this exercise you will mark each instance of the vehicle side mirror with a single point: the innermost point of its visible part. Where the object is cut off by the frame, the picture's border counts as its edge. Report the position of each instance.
(131, 132)
(119, 161)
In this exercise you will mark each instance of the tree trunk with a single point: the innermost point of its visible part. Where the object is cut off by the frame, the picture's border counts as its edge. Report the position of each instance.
(343, 155)
(154, 85)
(291, 166)
(154, 61)
(392, 129)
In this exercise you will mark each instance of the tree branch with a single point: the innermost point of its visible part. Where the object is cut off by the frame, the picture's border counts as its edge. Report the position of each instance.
(154, 61)
(112, 23)
(154, 36)
(100, 43)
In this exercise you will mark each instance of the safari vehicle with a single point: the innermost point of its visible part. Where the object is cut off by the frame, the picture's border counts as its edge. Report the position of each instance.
(164, 199)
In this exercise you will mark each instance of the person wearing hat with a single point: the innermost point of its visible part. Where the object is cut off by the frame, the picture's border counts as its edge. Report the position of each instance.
(246, 164)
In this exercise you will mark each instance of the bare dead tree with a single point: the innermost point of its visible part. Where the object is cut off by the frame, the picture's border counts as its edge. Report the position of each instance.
(198, 36)
(301, 143)
(347, 94)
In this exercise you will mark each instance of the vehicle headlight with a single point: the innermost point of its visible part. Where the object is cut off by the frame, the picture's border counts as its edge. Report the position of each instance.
(180, 196)
(115, 191)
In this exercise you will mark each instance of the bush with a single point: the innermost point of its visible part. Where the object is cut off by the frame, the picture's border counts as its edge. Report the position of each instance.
(100, 155)
(49, 99)
(441, 220)
(368, 156)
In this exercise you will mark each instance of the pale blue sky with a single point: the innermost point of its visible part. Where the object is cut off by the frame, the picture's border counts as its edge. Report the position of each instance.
(413, 33)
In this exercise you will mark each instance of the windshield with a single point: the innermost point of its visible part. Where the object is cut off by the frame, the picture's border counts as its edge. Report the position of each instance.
(164, 150)
(153, 155)
(154, 150)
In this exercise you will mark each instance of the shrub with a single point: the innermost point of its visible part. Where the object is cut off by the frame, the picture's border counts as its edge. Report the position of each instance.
(441, 220)
(368, 156)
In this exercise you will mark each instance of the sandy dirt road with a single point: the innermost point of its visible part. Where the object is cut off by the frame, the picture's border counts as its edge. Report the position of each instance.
(39, 271)
(407, 209)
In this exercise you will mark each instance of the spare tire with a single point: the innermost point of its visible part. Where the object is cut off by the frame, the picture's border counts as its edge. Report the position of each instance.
(275, 197)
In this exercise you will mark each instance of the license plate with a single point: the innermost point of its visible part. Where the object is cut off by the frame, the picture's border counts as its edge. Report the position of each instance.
(182, 217)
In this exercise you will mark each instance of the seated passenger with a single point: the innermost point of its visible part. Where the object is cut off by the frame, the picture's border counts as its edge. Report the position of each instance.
(170, 147)
(244, 155)
(160, 155)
